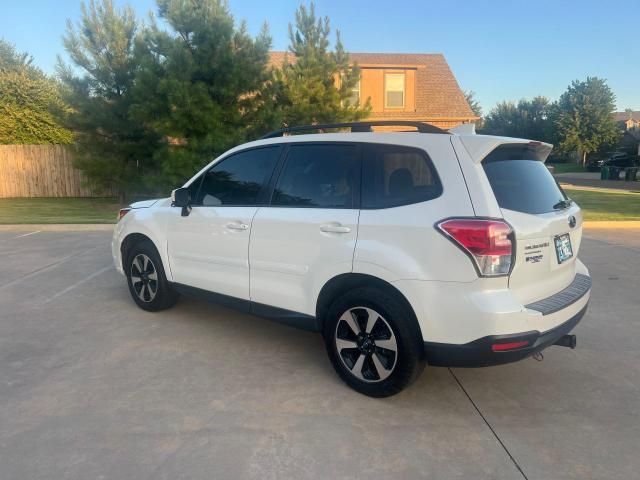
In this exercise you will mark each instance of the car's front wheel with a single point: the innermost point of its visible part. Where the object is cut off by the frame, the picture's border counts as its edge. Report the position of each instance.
(372, 343)
(146, 278)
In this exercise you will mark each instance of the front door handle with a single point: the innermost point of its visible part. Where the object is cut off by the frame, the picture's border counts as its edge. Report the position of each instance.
(334, 228)
(237, 226)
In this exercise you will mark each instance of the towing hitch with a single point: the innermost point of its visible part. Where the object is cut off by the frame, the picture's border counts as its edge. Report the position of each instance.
(566, 341)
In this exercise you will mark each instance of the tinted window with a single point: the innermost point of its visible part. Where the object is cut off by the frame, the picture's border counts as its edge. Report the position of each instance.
(620, 162)
(315, 175)
(237, 179)
(523, 185)
(395, 175)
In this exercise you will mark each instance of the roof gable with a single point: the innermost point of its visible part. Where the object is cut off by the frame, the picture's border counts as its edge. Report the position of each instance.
(437, 91)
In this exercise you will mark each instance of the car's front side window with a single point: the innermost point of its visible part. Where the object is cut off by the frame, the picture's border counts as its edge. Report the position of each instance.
(319, 175)
(236, 180)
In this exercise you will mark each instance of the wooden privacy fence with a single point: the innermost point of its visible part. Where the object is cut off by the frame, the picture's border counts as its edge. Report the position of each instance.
(40, 171)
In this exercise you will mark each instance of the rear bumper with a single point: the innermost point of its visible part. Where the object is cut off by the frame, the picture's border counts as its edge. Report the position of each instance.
(479, 353)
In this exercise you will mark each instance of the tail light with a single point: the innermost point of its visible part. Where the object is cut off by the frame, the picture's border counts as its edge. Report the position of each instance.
(123, 212)
(489, 243)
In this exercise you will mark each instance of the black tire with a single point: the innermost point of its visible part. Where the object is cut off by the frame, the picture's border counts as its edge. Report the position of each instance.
(150, 292)
(398, 329)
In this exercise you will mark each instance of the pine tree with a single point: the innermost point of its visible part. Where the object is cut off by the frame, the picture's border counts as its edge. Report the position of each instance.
(317, 83)
(203, 84)
(476, 108)
(30, 102)
(114, 150)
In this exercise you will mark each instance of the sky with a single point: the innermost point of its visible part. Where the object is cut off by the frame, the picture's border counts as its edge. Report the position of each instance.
(500, 49)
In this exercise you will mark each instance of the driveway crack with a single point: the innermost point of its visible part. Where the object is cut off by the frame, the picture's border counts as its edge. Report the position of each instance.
(495, 434)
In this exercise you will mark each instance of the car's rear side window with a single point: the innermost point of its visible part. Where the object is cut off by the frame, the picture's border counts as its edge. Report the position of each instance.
(393, 175)
(524, 186)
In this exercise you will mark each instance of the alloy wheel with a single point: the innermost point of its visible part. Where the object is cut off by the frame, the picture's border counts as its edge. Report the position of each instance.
(366, 344)
(144, 278)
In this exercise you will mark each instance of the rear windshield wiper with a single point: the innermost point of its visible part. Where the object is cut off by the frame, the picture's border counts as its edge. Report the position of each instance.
(562, 204)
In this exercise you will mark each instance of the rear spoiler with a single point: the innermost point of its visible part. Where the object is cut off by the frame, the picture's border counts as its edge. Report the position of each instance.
(480, 147)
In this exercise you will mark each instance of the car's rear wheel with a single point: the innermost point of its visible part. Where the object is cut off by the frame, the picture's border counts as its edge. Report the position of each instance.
(372, 343)
(146, 278)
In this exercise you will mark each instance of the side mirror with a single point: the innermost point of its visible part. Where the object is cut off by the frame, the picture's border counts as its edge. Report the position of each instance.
(180, 197)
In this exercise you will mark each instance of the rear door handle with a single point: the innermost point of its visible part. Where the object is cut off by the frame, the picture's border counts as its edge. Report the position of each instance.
(237, 226)
(334, 228)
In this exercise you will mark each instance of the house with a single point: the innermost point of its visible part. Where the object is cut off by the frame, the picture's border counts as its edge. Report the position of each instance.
(627, 120)
(630, 141)
(406, 86)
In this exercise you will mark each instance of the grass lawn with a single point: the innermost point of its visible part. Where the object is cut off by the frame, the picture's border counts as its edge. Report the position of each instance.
(566, 167)
(607, 205)
(597, 205)
(58, 210)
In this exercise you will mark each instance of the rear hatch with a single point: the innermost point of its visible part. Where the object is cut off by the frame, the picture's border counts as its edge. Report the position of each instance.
(547, 224)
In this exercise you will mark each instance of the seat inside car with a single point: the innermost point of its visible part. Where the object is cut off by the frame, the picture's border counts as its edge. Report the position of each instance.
(400, 182)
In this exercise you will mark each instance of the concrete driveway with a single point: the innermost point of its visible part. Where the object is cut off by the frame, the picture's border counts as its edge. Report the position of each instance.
(91, 387)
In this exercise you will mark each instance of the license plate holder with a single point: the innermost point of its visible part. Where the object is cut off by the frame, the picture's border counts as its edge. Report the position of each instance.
(564, 250)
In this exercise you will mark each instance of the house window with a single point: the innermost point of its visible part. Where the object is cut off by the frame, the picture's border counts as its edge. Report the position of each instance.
(354, 98)
(394, 90)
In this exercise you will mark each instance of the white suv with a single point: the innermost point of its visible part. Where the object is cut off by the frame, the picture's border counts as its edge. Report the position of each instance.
(402, 248)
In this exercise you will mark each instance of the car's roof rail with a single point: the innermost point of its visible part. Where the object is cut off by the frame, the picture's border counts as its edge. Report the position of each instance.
(421, 127)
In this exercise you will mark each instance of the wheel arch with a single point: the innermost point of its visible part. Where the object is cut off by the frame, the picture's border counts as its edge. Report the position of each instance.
(349, 281)
(130, 241)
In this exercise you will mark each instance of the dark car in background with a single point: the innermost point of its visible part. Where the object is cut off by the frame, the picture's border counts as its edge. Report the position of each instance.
(614, 159)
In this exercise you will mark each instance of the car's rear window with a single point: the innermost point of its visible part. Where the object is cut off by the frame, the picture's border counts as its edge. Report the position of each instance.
(523, 185)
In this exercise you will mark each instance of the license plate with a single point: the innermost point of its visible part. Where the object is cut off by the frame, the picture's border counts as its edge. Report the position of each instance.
(563, 247)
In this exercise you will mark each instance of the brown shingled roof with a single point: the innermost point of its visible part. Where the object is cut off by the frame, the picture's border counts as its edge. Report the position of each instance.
(438, 94)
(624, 116)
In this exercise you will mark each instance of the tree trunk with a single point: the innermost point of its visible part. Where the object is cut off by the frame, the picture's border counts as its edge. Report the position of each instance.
(584, 158)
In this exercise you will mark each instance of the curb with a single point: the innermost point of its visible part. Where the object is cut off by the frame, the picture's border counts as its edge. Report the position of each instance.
(623, 224)
(58, 227)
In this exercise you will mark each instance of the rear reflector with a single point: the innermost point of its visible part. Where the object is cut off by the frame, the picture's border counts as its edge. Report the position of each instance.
(488, 242)
(502, 347)
(123, 212)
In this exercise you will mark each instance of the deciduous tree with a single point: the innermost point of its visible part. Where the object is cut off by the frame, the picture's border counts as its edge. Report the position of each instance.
(526, 119)
(584, 117)
(30, 102)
